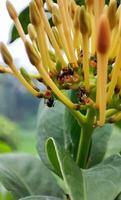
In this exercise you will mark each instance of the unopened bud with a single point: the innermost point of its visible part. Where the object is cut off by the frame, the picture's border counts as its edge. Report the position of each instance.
(34, 14)
(49, 5)
(58, 65)
(39, 3)
(56, 16)
(6, 54)
(32, 32)
(90, 2)
(11, 10)
(32, 54)
(84, 21)
(77, 18)
(103, 35)
(112, 13)
(25, 74)
(72, 9)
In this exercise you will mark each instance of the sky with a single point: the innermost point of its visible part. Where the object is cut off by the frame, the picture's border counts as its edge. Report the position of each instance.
(17, 48)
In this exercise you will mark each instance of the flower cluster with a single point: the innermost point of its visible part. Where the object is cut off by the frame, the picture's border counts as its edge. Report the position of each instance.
(81, 51)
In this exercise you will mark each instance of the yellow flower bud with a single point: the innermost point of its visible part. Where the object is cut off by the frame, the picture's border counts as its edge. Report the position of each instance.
(6, 54)
(32, 53)
(34, 14)
(32, 33)
(77, 18)
(84, 21)
(56, 16)
(11, 10)
(39, 3)
(49, 5)
(25, 74)
(112, 13)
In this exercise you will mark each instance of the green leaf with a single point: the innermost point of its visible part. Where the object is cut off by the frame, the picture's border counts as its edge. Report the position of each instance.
(71, 173)
(100, 182)
(106, 141)
(25, 175)
(50, 124)
(40, 198)
(80, 2)
(24, 19)
(71, 128)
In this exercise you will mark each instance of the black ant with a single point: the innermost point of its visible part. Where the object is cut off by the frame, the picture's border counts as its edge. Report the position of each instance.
(67, 196)
(50, 102)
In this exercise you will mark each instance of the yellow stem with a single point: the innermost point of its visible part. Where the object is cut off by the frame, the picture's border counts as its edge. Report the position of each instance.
(67, 30)
(103, 66)
(48, 81)
(85, 45)
(76, 43)
(115, 43)
(115, 74)
(64, 41)
(41, 38)
(23, 81)
(51, 36)
(20, 29)
(93, 35)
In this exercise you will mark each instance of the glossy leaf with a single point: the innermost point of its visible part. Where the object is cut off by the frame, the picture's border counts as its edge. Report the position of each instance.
(106, 141)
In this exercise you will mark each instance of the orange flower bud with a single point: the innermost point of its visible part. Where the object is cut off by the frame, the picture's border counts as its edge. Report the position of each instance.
(103, 35)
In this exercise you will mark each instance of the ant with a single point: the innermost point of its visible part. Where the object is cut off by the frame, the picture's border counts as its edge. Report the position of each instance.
(49, 102)
(49, 99)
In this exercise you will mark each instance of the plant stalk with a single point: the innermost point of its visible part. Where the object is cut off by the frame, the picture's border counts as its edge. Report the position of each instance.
(85, 140)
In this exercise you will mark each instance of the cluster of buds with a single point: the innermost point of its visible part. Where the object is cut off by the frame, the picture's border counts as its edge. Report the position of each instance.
(81, 52)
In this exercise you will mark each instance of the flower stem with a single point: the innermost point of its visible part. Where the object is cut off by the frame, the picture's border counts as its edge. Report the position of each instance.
(85, 140)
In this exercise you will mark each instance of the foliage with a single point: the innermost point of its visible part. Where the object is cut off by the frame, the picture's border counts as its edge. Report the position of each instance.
(7, 132)
(83, 158)
(25, 175)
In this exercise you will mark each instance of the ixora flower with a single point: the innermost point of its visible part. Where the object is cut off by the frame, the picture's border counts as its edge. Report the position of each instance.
(80, 52)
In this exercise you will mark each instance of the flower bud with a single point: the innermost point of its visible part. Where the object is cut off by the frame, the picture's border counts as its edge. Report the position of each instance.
(6, 54)
(77, 18)
(25, 74)
(112, 13)
(32, 54)
(90, 3)
(49, 5)
(34, 14)
(11, 10)
(84, 21)
(56, 16)
(32, 33)
(72, 8)
(39, 3)
(103, 35)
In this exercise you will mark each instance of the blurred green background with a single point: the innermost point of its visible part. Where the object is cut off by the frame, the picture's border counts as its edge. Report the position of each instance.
(18, 114)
